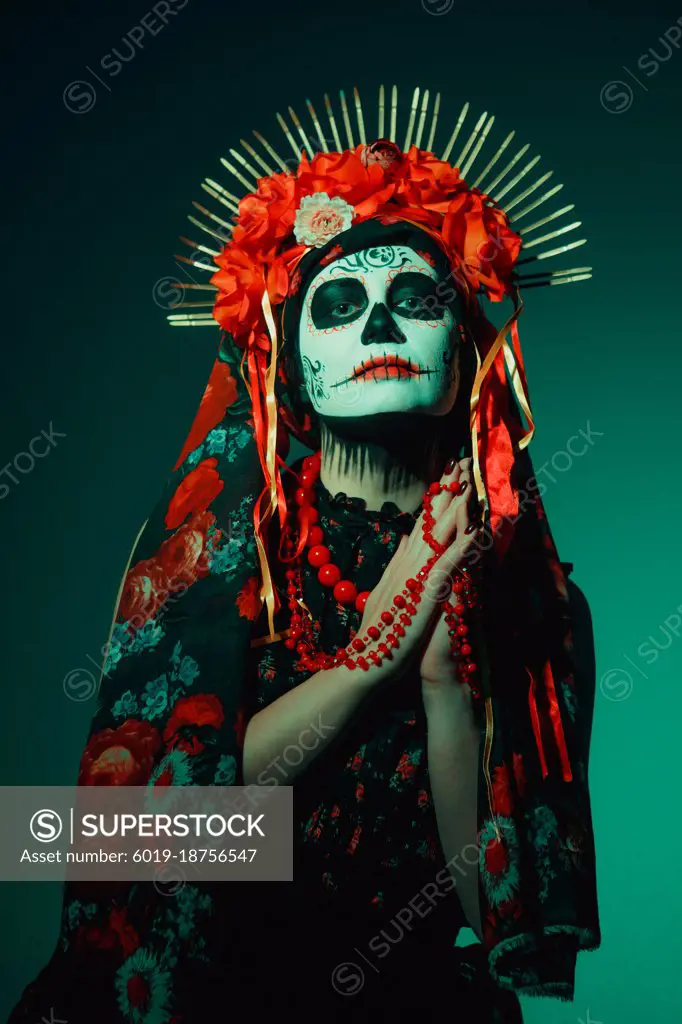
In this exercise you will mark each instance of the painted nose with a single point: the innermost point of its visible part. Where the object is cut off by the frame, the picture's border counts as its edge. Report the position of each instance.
(381, 328)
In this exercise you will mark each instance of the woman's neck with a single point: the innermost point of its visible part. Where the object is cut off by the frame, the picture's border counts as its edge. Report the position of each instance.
(398, 467)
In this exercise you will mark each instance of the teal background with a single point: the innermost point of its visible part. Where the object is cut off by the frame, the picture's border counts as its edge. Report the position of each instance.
(93, 204)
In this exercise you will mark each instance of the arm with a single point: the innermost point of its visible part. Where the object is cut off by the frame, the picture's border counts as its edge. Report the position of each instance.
(306, 719)
(453, 741)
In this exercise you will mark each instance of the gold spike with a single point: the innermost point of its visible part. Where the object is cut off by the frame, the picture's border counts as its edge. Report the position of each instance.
(192, 320)
(209, 231)
(382, 111)
(550, 282)
(285, 128)
(332, 122)
(223, 192)
(245, 163)
(538, 202)
(422, 118)
(346, 119)
(361, 120)
(552, 234)
(515, 180)
(470, 141)
(238, 175)
(503, 173)
(527, 192)
(211, 216)
(413, 114)
(199, 266)
(193, 287)
(434, 122)
(299, 128)
(318, 127)
(453, 138)
(257, 157)
(552, 252)
(548, 218)
(201, 248)
(491, 163)
(193, 305)
(556, 273)
(394, 113)
(477, 148)
(217, 196)
(268, 148)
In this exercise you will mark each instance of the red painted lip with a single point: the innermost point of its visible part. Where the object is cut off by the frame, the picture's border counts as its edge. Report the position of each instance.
(394, 366)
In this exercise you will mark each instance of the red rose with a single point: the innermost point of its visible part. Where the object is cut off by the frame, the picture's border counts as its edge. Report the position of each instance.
(240, 291)
(184, 556)
(201, 709)
(248, 599)
(195, 493)
(145, 590)
(481, 235)
(120, 757)
(220, 393)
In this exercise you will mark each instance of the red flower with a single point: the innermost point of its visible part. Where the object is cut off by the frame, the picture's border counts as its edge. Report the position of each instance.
(199, 710)
(406, 768)
(383, 152)
(220, 393)
(248, 599)
(120, 757)
(502, 799)
(145, 590)
(116, 933)
(480, 234)
(519, 774)
(184, 556)
(195, 493)
(496, 859)
(359, 791)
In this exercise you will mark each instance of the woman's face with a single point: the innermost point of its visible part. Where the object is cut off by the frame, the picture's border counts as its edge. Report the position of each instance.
(375, 336)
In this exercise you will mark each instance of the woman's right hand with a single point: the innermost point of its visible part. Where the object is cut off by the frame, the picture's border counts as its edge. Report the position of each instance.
(410, 557)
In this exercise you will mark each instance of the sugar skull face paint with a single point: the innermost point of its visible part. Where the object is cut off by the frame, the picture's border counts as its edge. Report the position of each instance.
(375, 336)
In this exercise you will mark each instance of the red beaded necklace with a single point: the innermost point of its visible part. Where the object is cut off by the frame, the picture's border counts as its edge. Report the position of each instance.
(372, 647)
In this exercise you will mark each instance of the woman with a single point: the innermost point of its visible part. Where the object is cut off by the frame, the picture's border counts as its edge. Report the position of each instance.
(396, 595)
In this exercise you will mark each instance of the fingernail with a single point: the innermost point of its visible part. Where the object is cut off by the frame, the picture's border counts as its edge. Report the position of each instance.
(462, 487)
(450, 466)
(471, 527)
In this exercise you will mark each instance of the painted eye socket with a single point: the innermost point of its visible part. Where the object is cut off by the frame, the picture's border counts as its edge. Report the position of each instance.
(415, 296)
(339, 301)
(411, 305)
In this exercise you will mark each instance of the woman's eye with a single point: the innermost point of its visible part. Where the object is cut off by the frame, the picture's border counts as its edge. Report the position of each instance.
(343, 309)
(411, 303)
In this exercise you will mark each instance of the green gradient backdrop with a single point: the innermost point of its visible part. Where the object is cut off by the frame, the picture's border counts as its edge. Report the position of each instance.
(94, 203)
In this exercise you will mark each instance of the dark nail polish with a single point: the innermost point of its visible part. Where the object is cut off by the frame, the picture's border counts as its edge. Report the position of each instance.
(462, 487)
(450, 466)
(471, 527)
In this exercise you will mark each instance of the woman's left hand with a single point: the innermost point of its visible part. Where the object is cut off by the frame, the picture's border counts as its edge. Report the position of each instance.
(437, 668)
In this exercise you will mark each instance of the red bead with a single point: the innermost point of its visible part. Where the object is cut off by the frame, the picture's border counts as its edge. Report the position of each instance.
(363, 663)
(361, 601)
(373, 633)
(310, 464)
(471, 667)
(307, 480)
(458, 586)
(291, 590)
(412, 584)
(308, 514)
(465, 649)
(462, 629)
(387, 617)
(319, 555)
(410, 609)
(302, 647)
(350, 664)
(296, 632)
(384, 648)
(398, 629)
(290, 643)
(290, 574)
(304, 496)
(399, 601)
(345, 592)
(434, 488)
(459, 609)
(315, 536)
(329, 575)
(358, 644)
(405, 619)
